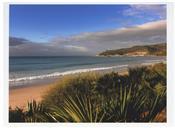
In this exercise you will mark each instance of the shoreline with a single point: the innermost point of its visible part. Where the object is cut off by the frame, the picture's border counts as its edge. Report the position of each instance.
(50, 77)
(20, 95)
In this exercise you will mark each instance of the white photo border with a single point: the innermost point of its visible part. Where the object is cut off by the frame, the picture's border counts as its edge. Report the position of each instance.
(170, 73)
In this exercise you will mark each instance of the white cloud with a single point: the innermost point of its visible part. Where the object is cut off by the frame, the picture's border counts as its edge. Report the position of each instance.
(77, 48)
(140, 10)
(90, 43)
(123, 37)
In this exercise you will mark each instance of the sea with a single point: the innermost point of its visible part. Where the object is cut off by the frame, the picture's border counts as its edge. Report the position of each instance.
(31, 70)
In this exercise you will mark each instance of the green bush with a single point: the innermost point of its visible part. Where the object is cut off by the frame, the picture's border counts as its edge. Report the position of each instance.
(139, 96)
(35, 112)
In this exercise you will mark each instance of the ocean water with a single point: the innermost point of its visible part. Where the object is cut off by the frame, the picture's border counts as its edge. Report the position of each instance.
(23, 70)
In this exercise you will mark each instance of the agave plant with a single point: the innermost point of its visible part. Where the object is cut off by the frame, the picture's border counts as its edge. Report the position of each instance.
(126, 107)
(157, 105)
(134, 108)
(16, 115)
(77, 109)
(35, 112)
(139, 96)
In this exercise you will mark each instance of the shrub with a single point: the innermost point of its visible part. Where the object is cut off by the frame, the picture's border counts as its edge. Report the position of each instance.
(35, 112)
(139, 96)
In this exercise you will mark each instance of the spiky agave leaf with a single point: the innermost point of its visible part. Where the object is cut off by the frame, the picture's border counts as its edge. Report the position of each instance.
(77, 109)
(127, 107)
(157, 105)
(36, 112)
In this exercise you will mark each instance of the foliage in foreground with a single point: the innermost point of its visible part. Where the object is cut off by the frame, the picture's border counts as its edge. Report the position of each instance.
(139, 96)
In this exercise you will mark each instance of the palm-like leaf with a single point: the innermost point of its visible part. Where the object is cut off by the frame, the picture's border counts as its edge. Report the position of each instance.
(77, 109)
(36, 112)
(139, 96)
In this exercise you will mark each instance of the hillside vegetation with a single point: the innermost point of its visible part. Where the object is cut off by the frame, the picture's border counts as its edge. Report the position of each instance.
(139, 96)
(157, 50)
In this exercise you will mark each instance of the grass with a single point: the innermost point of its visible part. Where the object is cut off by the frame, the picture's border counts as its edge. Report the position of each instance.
(139, 96)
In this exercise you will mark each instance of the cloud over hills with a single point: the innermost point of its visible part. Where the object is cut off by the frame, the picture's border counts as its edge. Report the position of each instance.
(91, 43)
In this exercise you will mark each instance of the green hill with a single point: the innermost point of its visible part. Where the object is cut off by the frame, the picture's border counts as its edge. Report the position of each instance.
(145, 50)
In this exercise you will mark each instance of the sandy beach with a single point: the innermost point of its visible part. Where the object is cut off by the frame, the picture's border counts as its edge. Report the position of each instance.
(21, 95)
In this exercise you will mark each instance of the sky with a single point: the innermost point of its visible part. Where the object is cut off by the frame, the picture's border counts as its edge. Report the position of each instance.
(83, 29)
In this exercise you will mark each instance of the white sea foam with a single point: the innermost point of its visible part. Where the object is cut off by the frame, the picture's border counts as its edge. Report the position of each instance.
(65, 73)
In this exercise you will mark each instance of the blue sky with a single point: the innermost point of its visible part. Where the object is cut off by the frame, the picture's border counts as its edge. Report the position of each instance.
(41, 23)
(64, 30)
